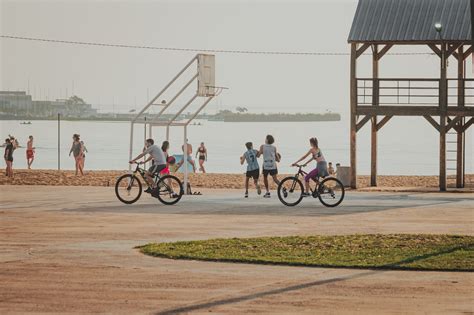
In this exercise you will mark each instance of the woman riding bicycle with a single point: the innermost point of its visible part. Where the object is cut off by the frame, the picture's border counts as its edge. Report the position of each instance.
(321, 166)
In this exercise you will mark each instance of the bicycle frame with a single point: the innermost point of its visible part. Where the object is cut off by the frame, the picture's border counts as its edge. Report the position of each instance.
(142, 172)
(303, 174)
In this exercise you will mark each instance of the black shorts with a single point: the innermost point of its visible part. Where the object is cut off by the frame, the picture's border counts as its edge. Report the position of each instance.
(202, 158)
(272, 172)
(255, 174)
(155, 168)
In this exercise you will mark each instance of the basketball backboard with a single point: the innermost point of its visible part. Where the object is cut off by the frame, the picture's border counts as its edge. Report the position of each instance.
(206, 75)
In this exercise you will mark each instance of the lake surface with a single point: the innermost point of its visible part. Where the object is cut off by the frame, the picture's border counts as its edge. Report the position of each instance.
(407, 145)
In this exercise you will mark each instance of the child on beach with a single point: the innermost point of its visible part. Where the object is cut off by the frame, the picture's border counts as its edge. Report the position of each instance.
(321, 166)
(270, 158)
(253, 169)
(331, 170)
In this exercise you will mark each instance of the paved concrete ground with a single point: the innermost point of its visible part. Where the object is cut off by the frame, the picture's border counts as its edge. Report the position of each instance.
(70, 250)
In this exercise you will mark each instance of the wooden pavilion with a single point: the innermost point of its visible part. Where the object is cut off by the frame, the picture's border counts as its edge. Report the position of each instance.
(446, 27)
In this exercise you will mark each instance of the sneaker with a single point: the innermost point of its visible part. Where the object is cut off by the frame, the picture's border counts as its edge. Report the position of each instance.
(305, 194)
(148, 190)
(285, 192)
(267, 195)
(174, 195)
(259, 190)
(246, 195)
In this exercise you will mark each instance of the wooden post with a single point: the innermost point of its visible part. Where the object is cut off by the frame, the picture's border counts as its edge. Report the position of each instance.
(375, 102)
(460, 134)
(353, 132)
(443, 100)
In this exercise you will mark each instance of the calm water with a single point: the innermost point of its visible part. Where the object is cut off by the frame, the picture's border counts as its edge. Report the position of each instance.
(406, 145)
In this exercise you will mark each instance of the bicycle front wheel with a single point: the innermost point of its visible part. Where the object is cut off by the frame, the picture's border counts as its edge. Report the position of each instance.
(169, 190)
(331, 192)
(290, 191)
(128, 188)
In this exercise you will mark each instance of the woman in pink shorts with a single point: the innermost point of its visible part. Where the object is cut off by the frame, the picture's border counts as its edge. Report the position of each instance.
(165, 146)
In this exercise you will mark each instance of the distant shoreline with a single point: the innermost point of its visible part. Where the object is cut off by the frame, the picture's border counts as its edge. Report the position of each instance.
(250, 118)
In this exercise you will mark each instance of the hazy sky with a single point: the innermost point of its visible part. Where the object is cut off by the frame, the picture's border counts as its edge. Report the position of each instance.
(124, 77)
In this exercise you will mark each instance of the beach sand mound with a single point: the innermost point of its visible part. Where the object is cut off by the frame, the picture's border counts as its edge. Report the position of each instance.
(210, 180)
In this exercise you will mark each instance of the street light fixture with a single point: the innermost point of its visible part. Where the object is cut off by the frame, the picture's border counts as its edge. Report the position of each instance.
(438, 27)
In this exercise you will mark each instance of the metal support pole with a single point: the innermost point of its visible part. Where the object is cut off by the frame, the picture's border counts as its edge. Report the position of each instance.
(185, 160)
(168, 133)
(59, 141)
(144, 138)
(131, 146)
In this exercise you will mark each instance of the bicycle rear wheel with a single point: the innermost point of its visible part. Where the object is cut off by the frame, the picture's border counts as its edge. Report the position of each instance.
(331, 192)
(128, 188)
(290, 191)
(169, 190)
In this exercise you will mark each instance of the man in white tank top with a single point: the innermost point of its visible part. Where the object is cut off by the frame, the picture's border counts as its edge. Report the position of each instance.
(270, 159)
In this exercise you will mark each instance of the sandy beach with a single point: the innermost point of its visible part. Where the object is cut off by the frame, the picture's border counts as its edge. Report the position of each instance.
(210, 180)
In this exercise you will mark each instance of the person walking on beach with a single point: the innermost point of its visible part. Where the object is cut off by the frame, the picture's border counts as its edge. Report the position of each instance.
(188, 156)
(8, 156)
(270, 159)
(253, 169)
(202, 152)
(159, 162)
(321, 169)
(84, 151)
(30, 152)
(78, 152)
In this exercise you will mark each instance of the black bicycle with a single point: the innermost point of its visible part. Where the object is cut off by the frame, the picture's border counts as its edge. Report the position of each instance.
(128, 187)
(330, 190)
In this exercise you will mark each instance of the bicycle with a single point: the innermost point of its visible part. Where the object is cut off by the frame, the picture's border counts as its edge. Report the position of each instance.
(330, 190)
(128, 187)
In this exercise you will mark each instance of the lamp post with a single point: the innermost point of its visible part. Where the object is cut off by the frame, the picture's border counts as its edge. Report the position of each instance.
(439, 28)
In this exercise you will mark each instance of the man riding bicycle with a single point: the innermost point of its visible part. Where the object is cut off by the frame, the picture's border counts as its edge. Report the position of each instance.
(159, 162)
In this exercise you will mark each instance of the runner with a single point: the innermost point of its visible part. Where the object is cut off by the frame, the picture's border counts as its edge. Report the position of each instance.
(270, 158)
(159, 162)
(253, 169)
(30, 152)
(321, 166)
(202, 152)
(77, 150)
(8, 156)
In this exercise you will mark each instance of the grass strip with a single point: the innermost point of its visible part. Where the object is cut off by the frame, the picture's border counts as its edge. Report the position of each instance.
(372, 251)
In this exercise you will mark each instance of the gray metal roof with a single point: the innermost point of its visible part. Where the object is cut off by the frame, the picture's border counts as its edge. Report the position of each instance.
(411, 21)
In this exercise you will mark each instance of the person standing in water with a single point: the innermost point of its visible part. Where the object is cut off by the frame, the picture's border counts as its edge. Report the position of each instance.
(270, 159)
(30, 152)
(77, 150)
(202, 152)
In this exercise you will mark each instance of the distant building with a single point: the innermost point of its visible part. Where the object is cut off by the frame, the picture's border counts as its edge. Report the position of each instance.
(18, 103)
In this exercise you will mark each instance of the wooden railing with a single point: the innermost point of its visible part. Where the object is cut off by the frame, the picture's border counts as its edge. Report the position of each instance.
(412, 91)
